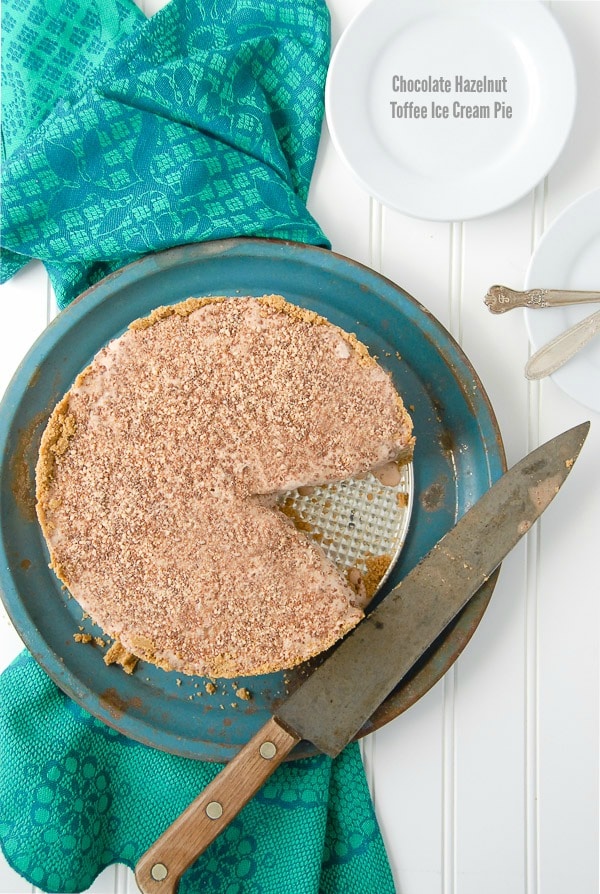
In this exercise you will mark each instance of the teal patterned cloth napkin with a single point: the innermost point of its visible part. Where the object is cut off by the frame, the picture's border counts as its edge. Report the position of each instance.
(77, 796)
(122, 136)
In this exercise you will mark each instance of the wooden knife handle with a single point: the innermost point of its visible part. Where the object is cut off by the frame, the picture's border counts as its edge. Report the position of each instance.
(158, 870)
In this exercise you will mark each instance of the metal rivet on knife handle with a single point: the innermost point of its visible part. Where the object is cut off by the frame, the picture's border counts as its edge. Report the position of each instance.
(159, 872)
(267, 750)
(214, 810)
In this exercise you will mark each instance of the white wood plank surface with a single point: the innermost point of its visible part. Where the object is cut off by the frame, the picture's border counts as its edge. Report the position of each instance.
(489, 784)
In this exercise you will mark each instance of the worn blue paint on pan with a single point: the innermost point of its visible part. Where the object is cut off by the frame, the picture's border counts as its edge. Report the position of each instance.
(459, 454)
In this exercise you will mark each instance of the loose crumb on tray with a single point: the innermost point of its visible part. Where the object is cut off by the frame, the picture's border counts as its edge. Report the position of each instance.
(117, 654)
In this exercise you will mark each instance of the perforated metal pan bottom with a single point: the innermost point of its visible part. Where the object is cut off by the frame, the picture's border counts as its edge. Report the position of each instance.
(361, 523)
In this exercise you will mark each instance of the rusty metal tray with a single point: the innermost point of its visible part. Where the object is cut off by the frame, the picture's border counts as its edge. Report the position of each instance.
(459, 453)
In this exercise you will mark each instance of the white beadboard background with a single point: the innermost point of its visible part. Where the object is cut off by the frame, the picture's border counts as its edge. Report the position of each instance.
(489, 784)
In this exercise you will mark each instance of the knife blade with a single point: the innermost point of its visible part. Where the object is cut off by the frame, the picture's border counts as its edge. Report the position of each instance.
(341, 694)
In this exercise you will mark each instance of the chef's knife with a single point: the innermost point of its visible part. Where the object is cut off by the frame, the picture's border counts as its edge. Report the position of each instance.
(331, 706)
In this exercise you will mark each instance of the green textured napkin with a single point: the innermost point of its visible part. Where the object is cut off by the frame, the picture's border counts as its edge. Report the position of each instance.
(77, 796)
(122, 136)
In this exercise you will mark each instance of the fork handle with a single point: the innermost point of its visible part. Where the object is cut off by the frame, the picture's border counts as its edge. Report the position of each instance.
(499, 299)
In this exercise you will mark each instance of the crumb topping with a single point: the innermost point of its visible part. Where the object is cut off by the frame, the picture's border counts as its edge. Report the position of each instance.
(158, 471)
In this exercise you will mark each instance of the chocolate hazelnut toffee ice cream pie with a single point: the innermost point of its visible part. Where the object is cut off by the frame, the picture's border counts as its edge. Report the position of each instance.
(159, 473)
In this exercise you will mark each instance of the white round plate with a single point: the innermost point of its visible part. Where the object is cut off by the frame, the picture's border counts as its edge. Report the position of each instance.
(401, 58)
(568, 257)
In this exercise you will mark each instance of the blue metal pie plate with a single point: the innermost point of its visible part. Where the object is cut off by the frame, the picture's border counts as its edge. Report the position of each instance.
(459, 454)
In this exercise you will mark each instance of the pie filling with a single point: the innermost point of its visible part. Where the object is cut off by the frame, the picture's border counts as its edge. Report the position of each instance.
(159, 470)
